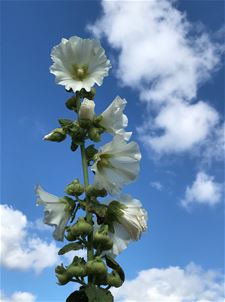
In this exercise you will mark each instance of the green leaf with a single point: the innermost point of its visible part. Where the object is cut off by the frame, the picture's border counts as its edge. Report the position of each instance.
(70, 247)
(77, 296)
(111, 262)
(96, 294)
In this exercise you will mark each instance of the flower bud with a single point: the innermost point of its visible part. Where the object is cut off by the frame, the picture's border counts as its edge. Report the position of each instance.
(86, 111)
(60, 269)
(101, 238)
(74, 188)
(63, 278)
(69, 236)
(113, 279)
(71, 103)
(91, 190)
(94, 134)
(57, 135)
(81, 228)
(77, 268)
(96, 267)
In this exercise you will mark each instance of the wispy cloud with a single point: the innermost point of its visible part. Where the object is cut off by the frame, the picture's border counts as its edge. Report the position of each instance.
(173, 284)
(204, 190)
(166, 58)
(156, 185)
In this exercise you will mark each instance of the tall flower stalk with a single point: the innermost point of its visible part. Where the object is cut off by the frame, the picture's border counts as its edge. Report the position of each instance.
(105, 228)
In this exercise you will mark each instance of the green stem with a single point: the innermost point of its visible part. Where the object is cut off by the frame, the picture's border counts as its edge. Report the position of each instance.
(90, 252)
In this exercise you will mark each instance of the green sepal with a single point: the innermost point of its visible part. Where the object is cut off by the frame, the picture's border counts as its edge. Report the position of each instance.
(96, 294)
(73, 146)
(66, 124)
(111, 262)
(73, 103)
(97, 208)
(113, 279)
(90, 153)
(70, 247)
(88, 94)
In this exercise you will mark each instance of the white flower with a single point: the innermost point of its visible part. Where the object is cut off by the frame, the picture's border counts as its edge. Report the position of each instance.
(79, 63)
(87, 110)
(116, 164)
(132, 216)
(57, 212)
(114, 120)
(130, 222)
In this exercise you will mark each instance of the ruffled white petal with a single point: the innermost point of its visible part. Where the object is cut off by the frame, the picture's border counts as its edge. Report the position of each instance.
(114, 120)
(56, 212)
(123, 165)
(134, 217)
(78, 53)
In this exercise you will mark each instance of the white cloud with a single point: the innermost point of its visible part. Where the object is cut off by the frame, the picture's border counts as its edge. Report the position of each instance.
(173, 284)
(18, 297)
(156, 185)
(204, 190)
(166, 58)
(19, 249)
(183, 125)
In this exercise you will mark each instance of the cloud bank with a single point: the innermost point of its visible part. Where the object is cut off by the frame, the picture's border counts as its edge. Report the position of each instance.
(173, 284)
(20, 249)
(166, 59)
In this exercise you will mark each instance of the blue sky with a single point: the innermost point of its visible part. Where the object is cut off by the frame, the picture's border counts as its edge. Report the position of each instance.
(168, 63)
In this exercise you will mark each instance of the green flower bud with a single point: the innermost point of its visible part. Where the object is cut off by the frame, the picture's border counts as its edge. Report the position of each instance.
(77, 270)
(69, 236)
(101, 238)
(113, 279)
(91, 190)
(63, 278)
(57, 135)
(94, 134)
(81, 228)
(71, 103)
(60, 269)
(96, 267)
(74, 188)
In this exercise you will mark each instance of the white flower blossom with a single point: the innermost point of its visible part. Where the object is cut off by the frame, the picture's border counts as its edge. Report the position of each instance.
(130, 222)
(57, 212)
(87, 110)
(79, 63)
(114, 120)
(116, 164)
(132, 216)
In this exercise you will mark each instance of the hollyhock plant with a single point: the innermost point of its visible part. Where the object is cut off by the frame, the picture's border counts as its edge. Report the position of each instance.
(102, 229)
(79, 63)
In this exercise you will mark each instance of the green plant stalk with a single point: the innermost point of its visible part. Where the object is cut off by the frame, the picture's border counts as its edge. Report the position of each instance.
(90, 252)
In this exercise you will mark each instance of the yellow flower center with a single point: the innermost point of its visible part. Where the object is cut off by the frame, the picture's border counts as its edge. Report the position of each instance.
(79, 73)
(104, 161)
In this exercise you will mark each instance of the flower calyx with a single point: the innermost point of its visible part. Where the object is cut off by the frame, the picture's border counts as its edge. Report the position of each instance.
(62, 275)
(77, 268)
(81, 228)
(101, 239)
(113, 279)
(57, 135)
(75, 188)
(96, 267)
